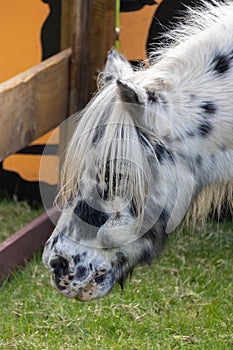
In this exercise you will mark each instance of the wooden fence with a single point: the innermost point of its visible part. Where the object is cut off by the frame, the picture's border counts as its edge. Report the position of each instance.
(39, 99)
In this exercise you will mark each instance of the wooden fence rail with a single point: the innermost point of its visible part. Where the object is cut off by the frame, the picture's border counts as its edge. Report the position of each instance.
(33, 102)
(21, 246)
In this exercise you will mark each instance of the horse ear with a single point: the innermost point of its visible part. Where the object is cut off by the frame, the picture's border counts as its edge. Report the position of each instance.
(145, 106)
(128, 93)
(116, 67)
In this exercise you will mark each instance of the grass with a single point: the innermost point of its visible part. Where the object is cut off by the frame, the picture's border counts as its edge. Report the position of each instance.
(183, 302)
(14, 215)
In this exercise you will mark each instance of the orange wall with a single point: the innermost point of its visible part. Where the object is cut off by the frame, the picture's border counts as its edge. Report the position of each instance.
(34, 167)
(134, 28)
(20, 46)
(20, 26)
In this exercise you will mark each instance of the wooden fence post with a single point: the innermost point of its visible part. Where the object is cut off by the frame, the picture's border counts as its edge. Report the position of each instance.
(88, 27)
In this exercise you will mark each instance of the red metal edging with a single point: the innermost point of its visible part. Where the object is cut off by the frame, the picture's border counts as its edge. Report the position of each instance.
(21, 246)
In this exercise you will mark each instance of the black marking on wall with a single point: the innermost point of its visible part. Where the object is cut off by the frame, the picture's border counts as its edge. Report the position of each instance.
(129, 5)
(51, 29)
(39, 149)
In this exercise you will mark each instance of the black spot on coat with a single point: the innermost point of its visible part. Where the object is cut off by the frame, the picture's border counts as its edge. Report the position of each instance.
(190, 133)
(81, 272)
(76, 259)
(151, 96)
(222, 63)
(204, 128)
(209, 107)
(198, 160)
(162, 152)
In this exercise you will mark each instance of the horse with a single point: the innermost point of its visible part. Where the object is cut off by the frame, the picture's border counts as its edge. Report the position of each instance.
(152, 148)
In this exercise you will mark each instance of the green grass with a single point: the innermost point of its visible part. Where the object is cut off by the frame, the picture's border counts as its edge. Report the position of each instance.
(183, 302)
(14, 215)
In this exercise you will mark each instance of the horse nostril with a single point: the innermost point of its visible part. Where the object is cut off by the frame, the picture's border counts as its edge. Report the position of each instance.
(100, 276)
(60, 266)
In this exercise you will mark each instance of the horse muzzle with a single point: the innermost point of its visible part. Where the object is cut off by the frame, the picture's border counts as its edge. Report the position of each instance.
(78, 271)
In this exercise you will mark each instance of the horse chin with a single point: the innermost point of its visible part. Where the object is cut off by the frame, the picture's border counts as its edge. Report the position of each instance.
(94, 287)
(96, 290)
(93, 291)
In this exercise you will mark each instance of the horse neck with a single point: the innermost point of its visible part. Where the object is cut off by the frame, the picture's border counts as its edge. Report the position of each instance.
(199, 105)
(197, 75)
(207, 168)
(202, 131)
(184, 179)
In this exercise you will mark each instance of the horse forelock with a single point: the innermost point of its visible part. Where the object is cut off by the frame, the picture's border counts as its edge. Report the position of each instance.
(106, 141)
